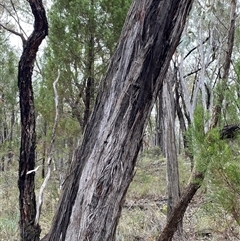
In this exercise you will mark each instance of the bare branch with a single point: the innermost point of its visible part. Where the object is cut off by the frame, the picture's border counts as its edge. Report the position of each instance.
(17, 19)
(203, 42)
(192, 72)
(50, 153)
(34, 170)
(14, 32)
(22, 34)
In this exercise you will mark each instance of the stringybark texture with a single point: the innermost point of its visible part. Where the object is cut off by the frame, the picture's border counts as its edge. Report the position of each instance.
(27, 202)
(103, 167)
(168, 112)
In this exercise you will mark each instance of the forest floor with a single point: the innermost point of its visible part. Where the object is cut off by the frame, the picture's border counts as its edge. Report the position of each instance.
(144, 212)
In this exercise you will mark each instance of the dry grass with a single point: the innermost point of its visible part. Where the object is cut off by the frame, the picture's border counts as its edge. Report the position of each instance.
(9, 212)
(9, 208)
(144, 212)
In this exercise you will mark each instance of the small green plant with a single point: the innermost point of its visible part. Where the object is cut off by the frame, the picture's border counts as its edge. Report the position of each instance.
(224, 188)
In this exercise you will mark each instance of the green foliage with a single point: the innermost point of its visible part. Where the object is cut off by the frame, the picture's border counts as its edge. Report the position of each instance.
(219, 161)
(8, 74)
(203, 146)
(224, 181)
(8, 101)
(82, 38)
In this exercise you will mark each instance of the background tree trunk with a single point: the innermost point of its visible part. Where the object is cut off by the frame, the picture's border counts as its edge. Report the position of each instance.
(89, 89)
(198, 176)
(169, 113)
(159, 123)
(94, 191)
(27, 202)
(227, 61)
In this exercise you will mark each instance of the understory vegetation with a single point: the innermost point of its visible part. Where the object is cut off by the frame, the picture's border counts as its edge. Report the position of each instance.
(212, 215)
(193, 128)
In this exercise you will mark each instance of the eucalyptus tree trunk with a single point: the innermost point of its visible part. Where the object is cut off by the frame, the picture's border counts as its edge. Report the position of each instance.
(198, 176)
(159, 123)
(169, 112)
(27, 202)
(227, 60)
(103, 167)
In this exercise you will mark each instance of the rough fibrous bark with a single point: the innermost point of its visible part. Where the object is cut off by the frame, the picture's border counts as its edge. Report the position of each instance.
(27, 202)
(94, 191)
(168, 113)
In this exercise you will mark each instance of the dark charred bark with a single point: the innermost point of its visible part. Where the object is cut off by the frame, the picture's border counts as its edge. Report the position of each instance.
(88, 100)
(94, 191)
(4, 139)
(179, 210)
(27, 202)
(89, 90)
(160, 124)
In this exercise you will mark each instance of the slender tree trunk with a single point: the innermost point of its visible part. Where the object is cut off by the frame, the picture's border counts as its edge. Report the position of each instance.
(89, 90)
(227, 61)
(159, 124)
(168, 113)
(94, 191)
(44, 151)
(27, 202)
(4, 139)
(180, 114)
(10, 147)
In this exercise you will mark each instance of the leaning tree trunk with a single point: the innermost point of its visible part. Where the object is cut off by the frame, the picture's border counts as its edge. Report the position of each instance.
(94, 191)
(29, 231)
